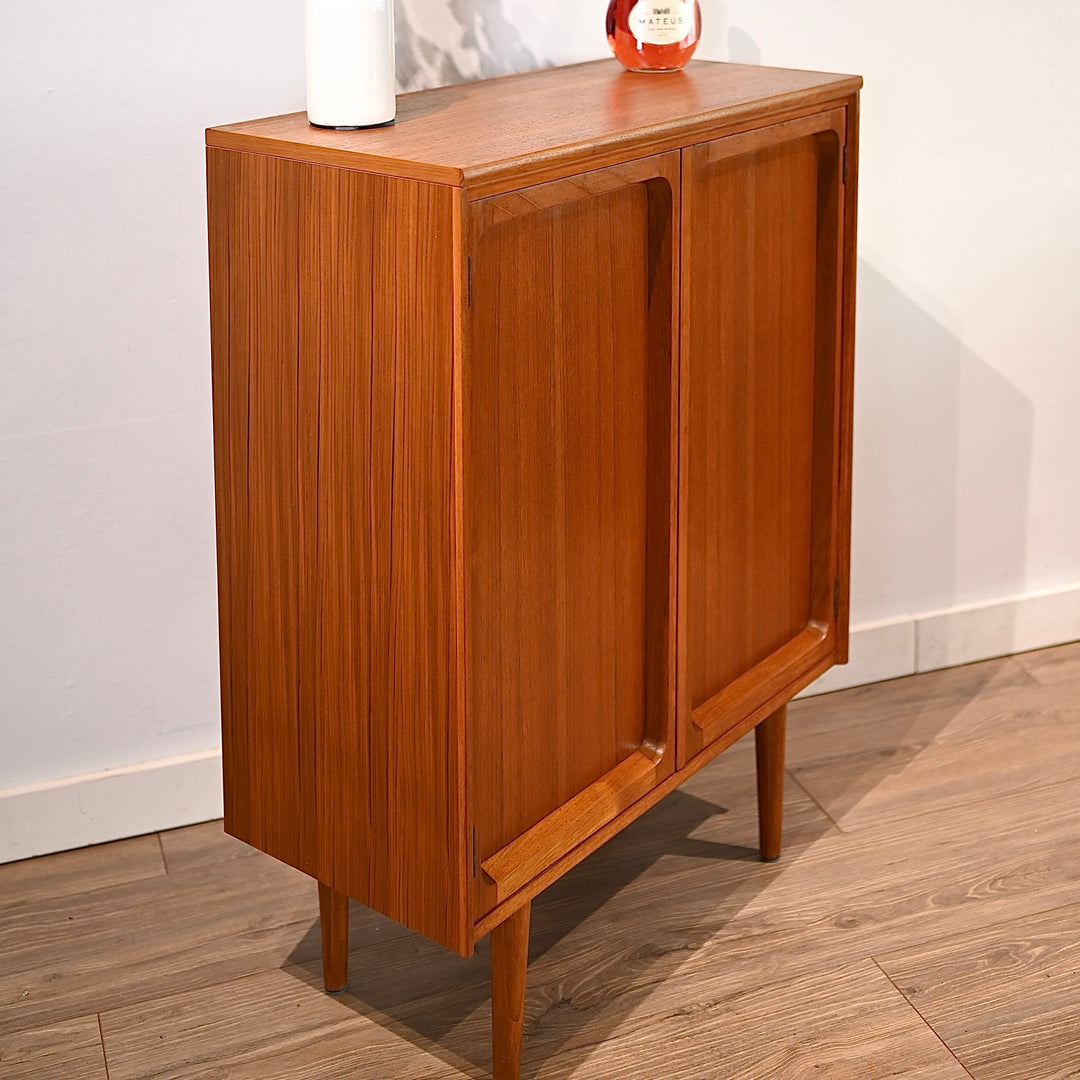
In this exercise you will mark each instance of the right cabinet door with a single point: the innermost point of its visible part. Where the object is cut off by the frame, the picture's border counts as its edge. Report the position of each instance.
(760, 374)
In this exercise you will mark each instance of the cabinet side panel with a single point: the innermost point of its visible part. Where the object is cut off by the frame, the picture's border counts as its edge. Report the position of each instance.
(379, 292)
(255, 378)
(229, 380)
(847, 393)
(340, 471)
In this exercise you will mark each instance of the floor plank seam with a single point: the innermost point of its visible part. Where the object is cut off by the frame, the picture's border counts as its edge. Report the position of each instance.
(929, 1026)
(1002, 874)
(989, 696)
(933, 703)
(964, 804)
(1032, 680)
(953, 935)
(197, 988)
(1017, 658)
(806, 791)
(104, 1056)
(919, 745)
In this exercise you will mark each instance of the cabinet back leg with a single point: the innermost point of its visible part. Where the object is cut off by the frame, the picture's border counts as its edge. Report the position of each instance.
(509, 960)
(334, 924)
(769, 737)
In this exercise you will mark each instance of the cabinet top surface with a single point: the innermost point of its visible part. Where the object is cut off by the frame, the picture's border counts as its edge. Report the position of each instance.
(472, 134)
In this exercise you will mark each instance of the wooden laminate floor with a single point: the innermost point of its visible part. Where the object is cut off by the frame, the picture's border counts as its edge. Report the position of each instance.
(924, 922)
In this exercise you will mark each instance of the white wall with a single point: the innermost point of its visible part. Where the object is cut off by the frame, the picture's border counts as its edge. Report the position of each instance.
(968, 446)
(967, 457)
(108, 631)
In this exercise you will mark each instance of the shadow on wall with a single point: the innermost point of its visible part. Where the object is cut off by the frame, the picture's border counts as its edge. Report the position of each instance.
(475, 41)
(721, 43)
(942, 462)
(943, 443)
(742, 48)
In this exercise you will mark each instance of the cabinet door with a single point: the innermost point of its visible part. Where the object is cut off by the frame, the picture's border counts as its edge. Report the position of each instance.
(760, 395)
(569, 504)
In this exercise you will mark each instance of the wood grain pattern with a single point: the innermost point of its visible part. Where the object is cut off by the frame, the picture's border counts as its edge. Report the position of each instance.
(643, 804)
(229, 361)
(768, 678)
(496, 133)
(401, 1018)
(1004, 998)
(266, 235)
(682, 932)
(334, 936)
(74, 954)
(884, 888)
(849, 214)
(760, 382)
(277, 1025)
(68, 1050)
(509, 961)
(60, 955)
(859, 1027)
(739, 926)
(769, 747)
(560, 511)
(537, 848)
(671, 930)
(200, 845)
(569, 474)
(332, 416)
(941, 757)
(1060, 664)
(83, 870)
(903, 700)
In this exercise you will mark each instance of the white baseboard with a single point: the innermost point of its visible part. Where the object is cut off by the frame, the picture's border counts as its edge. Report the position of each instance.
(1018, 624)
(166, 794)
(91, 809)
(963, 635)
(878, 651)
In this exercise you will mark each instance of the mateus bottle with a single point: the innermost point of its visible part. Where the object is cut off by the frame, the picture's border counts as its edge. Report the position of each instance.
(653, 35)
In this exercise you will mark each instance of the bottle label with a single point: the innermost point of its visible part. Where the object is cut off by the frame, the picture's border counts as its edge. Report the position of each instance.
(665, 22)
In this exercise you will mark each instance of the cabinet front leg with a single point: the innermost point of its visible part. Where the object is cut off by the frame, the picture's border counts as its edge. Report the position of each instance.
(334, 923)
(769, 737)
(509, 959)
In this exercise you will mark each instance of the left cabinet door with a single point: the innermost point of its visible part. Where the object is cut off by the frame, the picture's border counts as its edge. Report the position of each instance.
(569, 499)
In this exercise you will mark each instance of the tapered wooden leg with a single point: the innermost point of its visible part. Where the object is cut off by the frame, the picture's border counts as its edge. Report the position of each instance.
(509, 959)
(334, 923)
(769, 743)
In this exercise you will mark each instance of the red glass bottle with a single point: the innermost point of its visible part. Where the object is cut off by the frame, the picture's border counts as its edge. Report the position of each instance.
(653, 35)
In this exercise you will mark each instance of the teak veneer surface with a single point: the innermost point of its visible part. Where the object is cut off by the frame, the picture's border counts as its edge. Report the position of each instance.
(479, 133)
(762, 375)
(332, 435)
(570, 471)
(532, 437)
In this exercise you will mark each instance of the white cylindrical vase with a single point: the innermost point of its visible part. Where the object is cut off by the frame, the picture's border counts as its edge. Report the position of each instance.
(350, 63)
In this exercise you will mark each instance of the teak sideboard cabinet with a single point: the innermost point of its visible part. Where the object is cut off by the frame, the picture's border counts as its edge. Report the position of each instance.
(532, 427)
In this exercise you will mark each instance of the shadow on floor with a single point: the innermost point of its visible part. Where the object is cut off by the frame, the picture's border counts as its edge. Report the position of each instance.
(441, 1001)
(614, 928)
